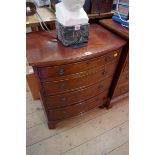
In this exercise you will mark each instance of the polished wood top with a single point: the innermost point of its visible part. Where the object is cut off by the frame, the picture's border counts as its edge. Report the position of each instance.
(42, 51)
(115, 27)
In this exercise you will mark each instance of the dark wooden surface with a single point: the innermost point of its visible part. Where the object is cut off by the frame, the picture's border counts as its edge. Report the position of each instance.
(62, 70)
(115, 27)
(73, 81)
(120, 83)
(69, 111)
(100, 15)
(42, 51)
(80, 95)
(101, 6)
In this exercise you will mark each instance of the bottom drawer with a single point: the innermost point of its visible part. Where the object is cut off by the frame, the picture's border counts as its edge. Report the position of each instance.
(58, 114)
(121, 89)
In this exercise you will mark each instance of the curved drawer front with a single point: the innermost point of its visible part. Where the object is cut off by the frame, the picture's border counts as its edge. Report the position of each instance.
(58, 114)
(62, 70)
(75, 82)
(79, 95)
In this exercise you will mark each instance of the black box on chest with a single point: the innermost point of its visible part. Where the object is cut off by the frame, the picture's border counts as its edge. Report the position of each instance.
(72, 35)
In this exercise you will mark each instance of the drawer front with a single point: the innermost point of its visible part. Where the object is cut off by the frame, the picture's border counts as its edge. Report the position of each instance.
(124, 77)
(79, 95)
(58, 114)
(77, 81)
(121, 89)
(62, 70)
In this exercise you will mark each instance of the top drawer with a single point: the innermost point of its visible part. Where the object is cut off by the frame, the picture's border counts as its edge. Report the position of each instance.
(55, 71)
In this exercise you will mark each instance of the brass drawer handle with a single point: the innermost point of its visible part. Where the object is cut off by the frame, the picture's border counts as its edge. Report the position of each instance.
(61, 71)
(115, 54)
(61, 85)
(107, 58)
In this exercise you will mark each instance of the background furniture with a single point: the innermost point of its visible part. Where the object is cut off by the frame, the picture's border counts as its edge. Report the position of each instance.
(46, 14)
(101, 6)
(73, 81)
(100, 9)
(120, 84)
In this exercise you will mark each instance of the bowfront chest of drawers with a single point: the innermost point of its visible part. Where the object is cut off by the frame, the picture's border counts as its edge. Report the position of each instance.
(73, 81)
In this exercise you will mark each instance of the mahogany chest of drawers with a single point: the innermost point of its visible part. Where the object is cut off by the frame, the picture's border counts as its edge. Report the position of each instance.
(73, 81)
(120, 83)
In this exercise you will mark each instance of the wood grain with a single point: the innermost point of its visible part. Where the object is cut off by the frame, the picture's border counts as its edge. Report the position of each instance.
(96, 126)
(62, 70)
(120, 83)
(80, 95)
(115, 27)
(40, 132)
(104, 143)
(32, 106)
(77, 81)
(121, 150)
(95, 62)
(42, 51)
(77, 109)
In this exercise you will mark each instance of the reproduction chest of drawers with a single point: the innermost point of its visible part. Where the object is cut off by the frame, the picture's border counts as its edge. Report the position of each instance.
(120, 83)
(73, 81)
